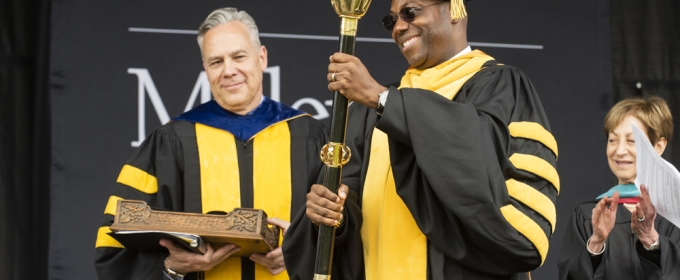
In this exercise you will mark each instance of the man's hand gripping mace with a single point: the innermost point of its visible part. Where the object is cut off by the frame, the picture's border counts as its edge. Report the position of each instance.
(335, 154)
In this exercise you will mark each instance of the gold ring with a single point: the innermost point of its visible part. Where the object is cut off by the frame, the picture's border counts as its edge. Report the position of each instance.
(333, 76)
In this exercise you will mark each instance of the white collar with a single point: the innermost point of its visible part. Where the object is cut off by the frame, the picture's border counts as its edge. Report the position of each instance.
(464, 51)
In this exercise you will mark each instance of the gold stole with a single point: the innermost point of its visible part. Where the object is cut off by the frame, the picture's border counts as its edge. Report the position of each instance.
(220, 183)
(394, 246)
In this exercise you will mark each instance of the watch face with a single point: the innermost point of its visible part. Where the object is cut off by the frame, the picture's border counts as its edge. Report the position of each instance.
(654, 246)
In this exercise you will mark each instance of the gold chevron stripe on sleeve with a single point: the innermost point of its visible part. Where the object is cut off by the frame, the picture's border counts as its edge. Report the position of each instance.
(111, 205)
(538, 166)
(533, 199)
(534, 131)
(138, 179)
(527, 227)
(104, 240)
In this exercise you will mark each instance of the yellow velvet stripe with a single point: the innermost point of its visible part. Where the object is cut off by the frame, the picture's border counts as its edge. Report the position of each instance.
(538, 166)
(105, 240)
(138, 179)
(533, 131)
(527, 227)
(220, 185)
(220, 182)
(272, 180)
(372, 207)
(387, 221)
(533, 199)
(111, 205)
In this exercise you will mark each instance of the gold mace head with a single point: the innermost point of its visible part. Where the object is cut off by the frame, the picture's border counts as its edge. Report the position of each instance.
(351, 8)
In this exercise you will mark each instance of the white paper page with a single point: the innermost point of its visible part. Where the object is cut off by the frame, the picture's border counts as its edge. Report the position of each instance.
(660, 177)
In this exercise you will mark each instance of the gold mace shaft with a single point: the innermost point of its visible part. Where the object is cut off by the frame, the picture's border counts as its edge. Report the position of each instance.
(335, 154)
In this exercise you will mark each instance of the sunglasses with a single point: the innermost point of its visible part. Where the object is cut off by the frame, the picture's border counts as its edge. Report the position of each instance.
(407, 14)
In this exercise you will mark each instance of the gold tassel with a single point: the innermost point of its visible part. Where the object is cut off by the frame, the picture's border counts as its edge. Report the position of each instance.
(458, 9)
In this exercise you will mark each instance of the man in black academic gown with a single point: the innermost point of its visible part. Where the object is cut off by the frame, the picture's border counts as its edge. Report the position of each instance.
(452, 170)
(239, 150)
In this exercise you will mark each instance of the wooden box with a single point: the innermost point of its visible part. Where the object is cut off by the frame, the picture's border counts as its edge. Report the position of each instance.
(138, 227)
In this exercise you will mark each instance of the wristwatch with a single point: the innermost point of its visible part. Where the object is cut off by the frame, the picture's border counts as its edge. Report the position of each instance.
(173, 274)
(654, 246)
(382, 99)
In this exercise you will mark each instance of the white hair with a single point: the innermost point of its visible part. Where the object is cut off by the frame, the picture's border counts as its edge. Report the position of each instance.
(226, 15)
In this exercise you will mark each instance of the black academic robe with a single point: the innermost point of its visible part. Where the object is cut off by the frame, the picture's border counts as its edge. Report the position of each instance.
(170, 154)
(624, 257)
(450, 165)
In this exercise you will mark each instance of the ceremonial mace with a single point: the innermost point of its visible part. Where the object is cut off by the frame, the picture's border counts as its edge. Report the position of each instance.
(335, 154)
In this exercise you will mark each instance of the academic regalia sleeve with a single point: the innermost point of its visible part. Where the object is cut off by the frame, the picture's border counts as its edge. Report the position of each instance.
(299, 246)
(574, 260)
(482, 193)
(359, 130)
(152, 175)
(662, 264)
(318, 137)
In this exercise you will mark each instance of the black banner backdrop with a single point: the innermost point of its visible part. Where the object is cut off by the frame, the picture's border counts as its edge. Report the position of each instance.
(121, 68)
(646, 55)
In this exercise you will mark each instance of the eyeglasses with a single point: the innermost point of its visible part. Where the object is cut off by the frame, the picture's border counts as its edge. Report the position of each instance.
(407, 14)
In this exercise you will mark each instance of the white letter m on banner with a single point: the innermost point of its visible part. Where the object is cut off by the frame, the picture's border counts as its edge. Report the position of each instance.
(145, 85)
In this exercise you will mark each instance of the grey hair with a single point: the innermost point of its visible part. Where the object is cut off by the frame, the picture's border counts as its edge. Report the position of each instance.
(226, 15)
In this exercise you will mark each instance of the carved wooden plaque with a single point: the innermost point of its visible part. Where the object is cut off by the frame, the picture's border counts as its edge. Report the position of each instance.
(247, 228)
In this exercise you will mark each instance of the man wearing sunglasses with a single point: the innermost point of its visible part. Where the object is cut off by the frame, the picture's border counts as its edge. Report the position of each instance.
(454, 167)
